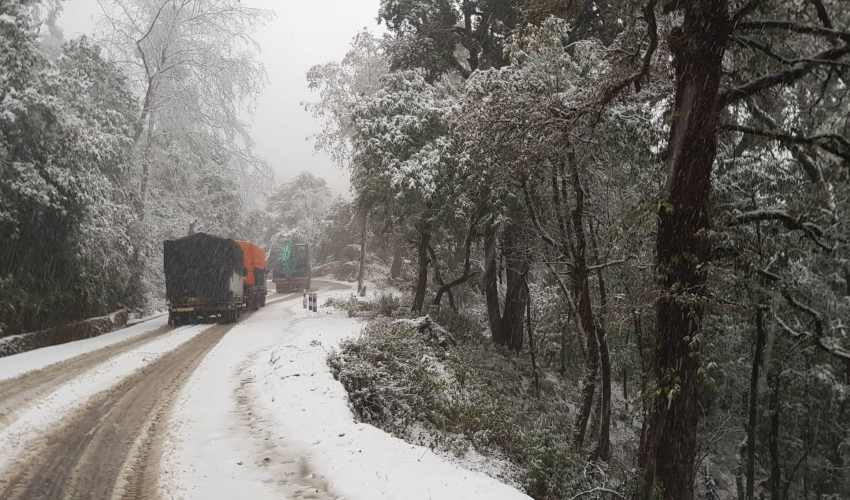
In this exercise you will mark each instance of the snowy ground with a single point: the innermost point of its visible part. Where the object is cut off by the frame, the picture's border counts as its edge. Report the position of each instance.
(12, 366)
(262, 417)
(25, 433)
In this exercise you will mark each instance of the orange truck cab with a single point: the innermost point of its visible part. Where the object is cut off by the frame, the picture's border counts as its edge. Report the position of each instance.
(255, 275)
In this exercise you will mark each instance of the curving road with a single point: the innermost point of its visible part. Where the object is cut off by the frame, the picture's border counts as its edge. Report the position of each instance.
(110, 447)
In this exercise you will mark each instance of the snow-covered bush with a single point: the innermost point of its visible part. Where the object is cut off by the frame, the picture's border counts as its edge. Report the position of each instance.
(467, 394)
(551, 465)
(383, 304)
(392, 379)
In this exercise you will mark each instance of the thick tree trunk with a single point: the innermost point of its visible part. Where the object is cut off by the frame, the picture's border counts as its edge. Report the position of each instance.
(682, 248)
(491, 287)
(753, 404)
(422, 278)
(360, 273)
(516, 267)
(395, 269)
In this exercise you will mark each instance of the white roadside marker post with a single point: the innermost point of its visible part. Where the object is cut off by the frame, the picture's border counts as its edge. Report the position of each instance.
(305, 299)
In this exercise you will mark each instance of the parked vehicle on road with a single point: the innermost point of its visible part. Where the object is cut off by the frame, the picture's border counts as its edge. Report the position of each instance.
(203, 278)
(292, 272)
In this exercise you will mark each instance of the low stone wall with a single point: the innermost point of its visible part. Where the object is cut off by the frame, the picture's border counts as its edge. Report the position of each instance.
(62, 334)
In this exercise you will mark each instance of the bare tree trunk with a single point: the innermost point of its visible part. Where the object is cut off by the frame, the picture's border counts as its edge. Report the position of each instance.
(626, 387)
(682, 247)
(446, 288)
(774, 483)
(438, 278)
(581, 286)
(422, 279)
(491, 288)
(363, 230)
(588, 388)
(531, 340)
(595, 416)
(146, 111)
(562, 358)
(573, 244)
(395, 269)
(516, 294)
(604, 448)
(739, 469)
(753, 403)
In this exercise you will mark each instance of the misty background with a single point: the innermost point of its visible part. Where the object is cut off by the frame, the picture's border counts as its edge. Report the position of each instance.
(303, 34)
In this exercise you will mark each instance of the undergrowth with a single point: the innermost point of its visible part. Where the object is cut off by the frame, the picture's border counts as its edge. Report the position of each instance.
(382, 304)
(467, 395)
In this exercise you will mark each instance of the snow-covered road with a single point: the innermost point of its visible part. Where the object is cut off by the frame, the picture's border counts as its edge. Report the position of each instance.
(263, 417)
(208, 412)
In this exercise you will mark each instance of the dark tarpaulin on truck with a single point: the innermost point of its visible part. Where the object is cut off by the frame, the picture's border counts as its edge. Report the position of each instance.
(200, 265)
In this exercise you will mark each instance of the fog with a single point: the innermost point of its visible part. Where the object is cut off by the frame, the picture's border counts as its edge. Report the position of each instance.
(304, 33)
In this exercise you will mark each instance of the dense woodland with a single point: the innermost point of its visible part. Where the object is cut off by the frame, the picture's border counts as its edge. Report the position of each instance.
(642, 206)
(663, 187)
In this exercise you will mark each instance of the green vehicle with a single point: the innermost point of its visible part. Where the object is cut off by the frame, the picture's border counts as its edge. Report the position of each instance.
(292, 270)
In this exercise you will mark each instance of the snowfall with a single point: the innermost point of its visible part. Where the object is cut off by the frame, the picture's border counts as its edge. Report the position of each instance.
(261, 417)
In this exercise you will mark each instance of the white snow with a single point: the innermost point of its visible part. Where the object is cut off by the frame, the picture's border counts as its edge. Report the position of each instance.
(25, 433)
(359, 461)
(262, 417)
(12, 366)
(209, 451)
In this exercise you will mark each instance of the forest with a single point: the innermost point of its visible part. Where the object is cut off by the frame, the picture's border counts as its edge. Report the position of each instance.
(627, 222)
(650, 198)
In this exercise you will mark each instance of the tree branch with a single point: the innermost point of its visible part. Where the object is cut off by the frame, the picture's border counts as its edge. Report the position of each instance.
(611, 263)
(804, 29)
(813, 231)
(823, 15)
(745, 11)
(801, 68)
(637, 77)
(544, 235)
(817, 337)
(819, 140)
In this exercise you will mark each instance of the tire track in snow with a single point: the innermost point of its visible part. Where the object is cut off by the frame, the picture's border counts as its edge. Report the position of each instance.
(19, 393)
(85, 458)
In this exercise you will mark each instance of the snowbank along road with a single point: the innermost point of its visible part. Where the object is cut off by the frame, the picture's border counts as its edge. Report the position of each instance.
(209, 412)
(89, 426)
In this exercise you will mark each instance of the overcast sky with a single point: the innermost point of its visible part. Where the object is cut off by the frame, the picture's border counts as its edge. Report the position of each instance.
(305, 33)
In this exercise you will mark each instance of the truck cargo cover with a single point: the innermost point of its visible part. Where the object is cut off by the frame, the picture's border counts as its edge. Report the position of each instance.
(200, 265)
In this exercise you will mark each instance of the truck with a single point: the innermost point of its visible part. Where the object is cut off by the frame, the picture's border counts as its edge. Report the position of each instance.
(254, 281)
(292, 272)
(204, 277)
